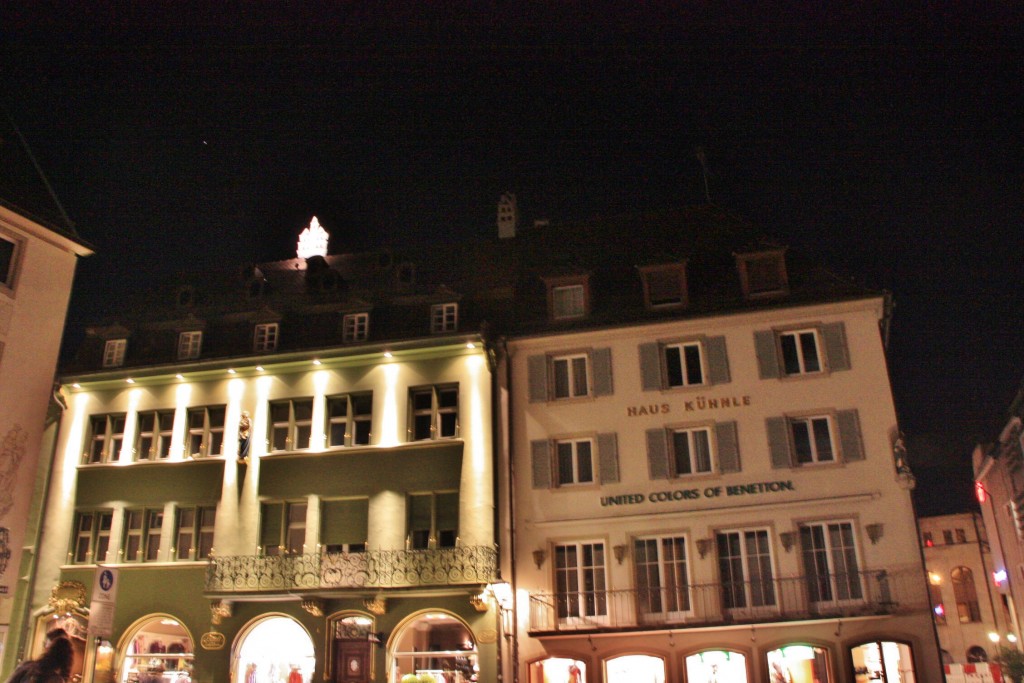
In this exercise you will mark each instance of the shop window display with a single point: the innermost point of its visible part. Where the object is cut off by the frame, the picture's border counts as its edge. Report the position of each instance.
(799, 664)
(434, 646)
(159, 651)
(632, 668)
(274, 650)
(558, 670)
(883, 660)
(716, 666)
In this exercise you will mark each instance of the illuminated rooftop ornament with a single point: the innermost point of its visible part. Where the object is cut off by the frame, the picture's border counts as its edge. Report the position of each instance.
(313, 241)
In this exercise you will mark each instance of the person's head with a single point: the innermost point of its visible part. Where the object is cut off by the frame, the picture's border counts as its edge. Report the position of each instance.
(58, 657)
(53, 634)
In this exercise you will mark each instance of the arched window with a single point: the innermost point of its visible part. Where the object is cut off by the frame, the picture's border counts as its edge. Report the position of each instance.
(271, 648)
(716, 666)
(965, 595)
(157, 645)
(631, 668)
(433, 643)
(558, 670)
(977, 654)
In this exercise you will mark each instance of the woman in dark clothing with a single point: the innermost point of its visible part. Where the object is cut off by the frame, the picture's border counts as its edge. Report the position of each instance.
(53, 666)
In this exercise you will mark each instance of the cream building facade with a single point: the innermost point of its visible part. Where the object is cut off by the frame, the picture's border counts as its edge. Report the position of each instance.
(705, 484)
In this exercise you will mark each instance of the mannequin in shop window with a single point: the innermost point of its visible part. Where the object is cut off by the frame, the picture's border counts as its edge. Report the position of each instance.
(574, 673)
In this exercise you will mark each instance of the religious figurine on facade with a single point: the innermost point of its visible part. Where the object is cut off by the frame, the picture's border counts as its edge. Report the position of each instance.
(244, 430)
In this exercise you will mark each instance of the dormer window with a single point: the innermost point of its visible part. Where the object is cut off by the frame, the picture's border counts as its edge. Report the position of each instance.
(189, 344)
(265, 338)
(763, 273)
(113, 353)
(444, 318)
(355, 327)
(664, 285)
(568, 297)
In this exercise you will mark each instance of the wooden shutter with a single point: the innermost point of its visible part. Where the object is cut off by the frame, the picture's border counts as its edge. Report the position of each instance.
(657, 453)
(718, 360)
(778, 442)
(767, 354)
(540, 454)
(537, 369)
(837, 353)
(601, 364)
(271, 515)
(650, 366)
(728, 447)
(849, 435)
(608, 458)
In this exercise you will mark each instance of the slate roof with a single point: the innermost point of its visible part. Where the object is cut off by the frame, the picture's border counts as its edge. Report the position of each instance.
(498, 284)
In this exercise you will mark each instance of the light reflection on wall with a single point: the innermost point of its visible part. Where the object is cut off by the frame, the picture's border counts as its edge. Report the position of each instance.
(130, 426)
(389, 417)
(317, 440)
(258, 443)
(182, 396)
(75, 436)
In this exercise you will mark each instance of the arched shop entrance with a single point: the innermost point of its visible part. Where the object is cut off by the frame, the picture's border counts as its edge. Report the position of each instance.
(634, 668)
(799, 664)
(716, 666)
(273, 649)
(883, 661)
(156, 649)
(436, 644)
(558, 670)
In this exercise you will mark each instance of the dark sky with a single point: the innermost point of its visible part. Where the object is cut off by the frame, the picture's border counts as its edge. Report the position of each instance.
(886, 141)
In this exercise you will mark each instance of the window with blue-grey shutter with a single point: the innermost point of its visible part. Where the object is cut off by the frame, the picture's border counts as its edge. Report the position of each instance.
(570, 375)
(849, 435)
(728, 447)
(778, 442)
(537, 369)
(540, 456)
(789, 439)
(657, 453)
(837, 352)
(808, 350)
(608, 458)
(601, 360)
(674, 364)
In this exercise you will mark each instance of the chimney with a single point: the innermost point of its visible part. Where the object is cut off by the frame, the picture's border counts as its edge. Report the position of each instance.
(508, 216)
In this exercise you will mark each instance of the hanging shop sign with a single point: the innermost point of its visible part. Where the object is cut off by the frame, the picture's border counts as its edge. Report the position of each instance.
(674, 495)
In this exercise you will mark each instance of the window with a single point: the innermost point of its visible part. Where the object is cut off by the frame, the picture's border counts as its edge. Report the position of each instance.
(349, 419)
(684, 363)
(355, 327)
(662, 577)
(807, 440)
(444, 318)
(343, 525)
(812, 439)
(154, 439)
(9, 255)
(929, 541)
(965, 595)
(113, 353)
(291, 424)
(830, 562)
(570, 375)
(433, 520)
(142, 535)
(283, 528)
(194, 532)
(434, 412)
(189, 344)
(92, 537)
(574, 461)
(107, 436)
(947, 536)
(803, 351)
(762, 273)
(961, 536)
(580, 581)
(575, 464)
(664, 286)
(691, 451)
(938, 608)
(745, 567)
(205, 431)
(265, 338)
(568, 302)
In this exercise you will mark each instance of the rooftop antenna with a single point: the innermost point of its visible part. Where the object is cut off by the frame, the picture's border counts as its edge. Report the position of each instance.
(699, 153)
(42, 176)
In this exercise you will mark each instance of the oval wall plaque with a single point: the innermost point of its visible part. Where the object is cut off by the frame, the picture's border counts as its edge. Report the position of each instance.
(212, 640)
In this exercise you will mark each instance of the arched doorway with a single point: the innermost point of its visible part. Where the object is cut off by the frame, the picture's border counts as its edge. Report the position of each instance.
(433, 643)
(716, 666)
(883, 661)
(274, 649)
(351, 657)
(633, 668)
(156, 648)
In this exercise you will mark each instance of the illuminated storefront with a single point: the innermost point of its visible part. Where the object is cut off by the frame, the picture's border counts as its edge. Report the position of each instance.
(716, 666)
(883, 661)
(275, 649)
(435, 644)
(799, 664)
(157, 649)
(558, 670)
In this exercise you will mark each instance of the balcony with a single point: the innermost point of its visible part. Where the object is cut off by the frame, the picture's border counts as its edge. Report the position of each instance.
(375, 569)
(713, 604)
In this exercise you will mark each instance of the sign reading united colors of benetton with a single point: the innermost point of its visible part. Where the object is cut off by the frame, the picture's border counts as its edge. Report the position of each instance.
(693, 494)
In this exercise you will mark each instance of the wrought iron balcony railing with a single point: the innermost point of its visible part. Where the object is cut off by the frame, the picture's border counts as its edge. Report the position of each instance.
(691, 605)
(371, 569)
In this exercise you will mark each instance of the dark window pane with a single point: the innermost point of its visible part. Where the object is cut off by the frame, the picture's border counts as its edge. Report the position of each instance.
(362, 435)
(790, 359)
(448, 422)
(810, 351)
(674, 366)
(421, 427)
(694, 372)
(448, 398)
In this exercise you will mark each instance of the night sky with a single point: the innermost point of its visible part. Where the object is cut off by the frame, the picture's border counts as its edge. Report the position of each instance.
(889, 143)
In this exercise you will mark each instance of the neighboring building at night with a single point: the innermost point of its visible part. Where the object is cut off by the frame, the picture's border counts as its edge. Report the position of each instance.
(290, 469)
(704, 486)
(972, 617)
(39, 250)
(999, 484)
